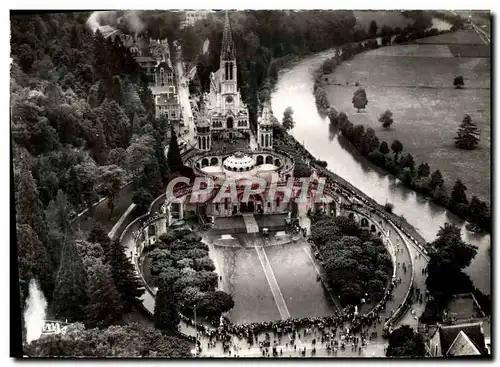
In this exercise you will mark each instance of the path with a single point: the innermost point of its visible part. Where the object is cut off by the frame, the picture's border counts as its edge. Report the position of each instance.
(273, 283)
(187, 113)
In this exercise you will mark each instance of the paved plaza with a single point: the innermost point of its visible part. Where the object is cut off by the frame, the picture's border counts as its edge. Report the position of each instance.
(269, 278)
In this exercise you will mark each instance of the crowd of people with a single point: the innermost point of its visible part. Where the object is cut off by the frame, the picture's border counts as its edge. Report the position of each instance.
(348, 321)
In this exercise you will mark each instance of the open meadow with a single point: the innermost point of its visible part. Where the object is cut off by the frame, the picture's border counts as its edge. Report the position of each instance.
(415, 82)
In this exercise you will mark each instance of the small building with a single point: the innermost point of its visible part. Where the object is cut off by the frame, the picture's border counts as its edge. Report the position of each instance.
(465, 330)
(165, 93)
(148, 64)
(466, 339)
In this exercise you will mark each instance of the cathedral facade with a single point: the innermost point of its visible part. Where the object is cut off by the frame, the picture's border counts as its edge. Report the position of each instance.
(224, 114)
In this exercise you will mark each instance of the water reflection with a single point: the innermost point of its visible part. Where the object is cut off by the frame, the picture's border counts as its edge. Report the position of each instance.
(294, 88)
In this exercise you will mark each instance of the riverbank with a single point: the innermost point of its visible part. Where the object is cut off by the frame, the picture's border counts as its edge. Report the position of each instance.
(426, 143)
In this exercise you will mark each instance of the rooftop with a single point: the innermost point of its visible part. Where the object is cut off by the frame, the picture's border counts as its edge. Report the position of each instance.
(462, 346)
(474, 332)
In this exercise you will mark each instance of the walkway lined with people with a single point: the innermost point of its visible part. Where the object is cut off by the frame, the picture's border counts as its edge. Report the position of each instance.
(348, 327)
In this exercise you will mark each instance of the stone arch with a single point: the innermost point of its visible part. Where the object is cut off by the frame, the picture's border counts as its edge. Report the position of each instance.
(277, 162)
(214, 161)
(204, 162)
(266, 142)
(269, 159)
(241, 169)
(379, 234)
(364, 222)
(230, 122)
(372, 228)
(260, 160)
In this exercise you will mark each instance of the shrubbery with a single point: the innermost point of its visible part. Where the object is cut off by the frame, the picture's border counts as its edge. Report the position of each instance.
(355, 261)
(180, 260)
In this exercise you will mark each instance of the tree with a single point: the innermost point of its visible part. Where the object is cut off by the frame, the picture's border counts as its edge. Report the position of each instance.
(373, 29)
(33, 261)
(386, 119)
(444, 270)
(116, 125)
(123, 273)
(142, 199)
(407, 162)
(440, 196)
(397, 148)
(287, 121)
(458, 195)
(436, 179)
(126, 341)
(404, 342)
(477, 208)
(370, 141)
(174, 159)
(29, 208)
(111, 178)
(388, 207)
(423, 170)
(104, 307)
(166, 315)
(458, 82)
(99, 235)
(70, 297)
(384, 148)
(360, 100)
(215, 303)
(58, 213)
(467, 134)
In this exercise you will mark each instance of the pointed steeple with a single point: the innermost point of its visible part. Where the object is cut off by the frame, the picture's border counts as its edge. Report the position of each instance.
(227, 50)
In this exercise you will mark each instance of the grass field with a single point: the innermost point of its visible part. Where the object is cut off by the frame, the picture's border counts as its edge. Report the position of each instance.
(416, 83)
(389, 18)
(462, 37)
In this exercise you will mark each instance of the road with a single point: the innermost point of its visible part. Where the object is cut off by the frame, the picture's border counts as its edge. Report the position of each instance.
(187, 113)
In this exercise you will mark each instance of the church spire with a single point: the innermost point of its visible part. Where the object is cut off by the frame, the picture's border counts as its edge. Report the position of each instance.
(227, 51)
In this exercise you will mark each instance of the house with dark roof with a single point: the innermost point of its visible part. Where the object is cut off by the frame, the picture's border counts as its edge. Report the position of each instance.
(458, 340)
(465, 330)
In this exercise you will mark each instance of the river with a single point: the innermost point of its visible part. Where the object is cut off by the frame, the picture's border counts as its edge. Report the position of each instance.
(295, 88)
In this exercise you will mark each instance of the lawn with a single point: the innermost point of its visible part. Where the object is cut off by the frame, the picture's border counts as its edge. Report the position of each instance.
(415, 83)
(462, 37)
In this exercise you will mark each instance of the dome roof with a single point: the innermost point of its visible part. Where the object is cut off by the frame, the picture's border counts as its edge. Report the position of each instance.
(239, 162)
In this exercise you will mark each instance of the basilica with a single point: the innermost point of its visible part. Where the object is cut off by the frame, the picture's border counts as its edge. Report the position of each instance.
(224, 115)
(227, 149)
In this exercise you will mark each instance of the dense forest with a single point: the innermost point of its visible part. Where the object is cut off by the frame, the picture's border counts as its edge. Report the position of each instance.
(82, 125)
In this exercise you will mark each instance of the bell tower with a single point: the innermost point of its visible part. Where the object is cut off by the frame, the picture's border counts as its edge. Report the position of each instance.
(229, 82)
(265, 127)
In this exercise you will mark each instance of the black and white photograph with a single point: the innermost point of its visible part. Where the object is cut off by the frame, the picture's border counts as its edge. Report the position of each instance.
(251, 184)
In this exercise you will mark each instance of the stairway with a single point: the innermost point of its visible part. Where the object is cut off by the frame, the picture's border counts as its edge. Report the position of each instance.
(250, 223)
